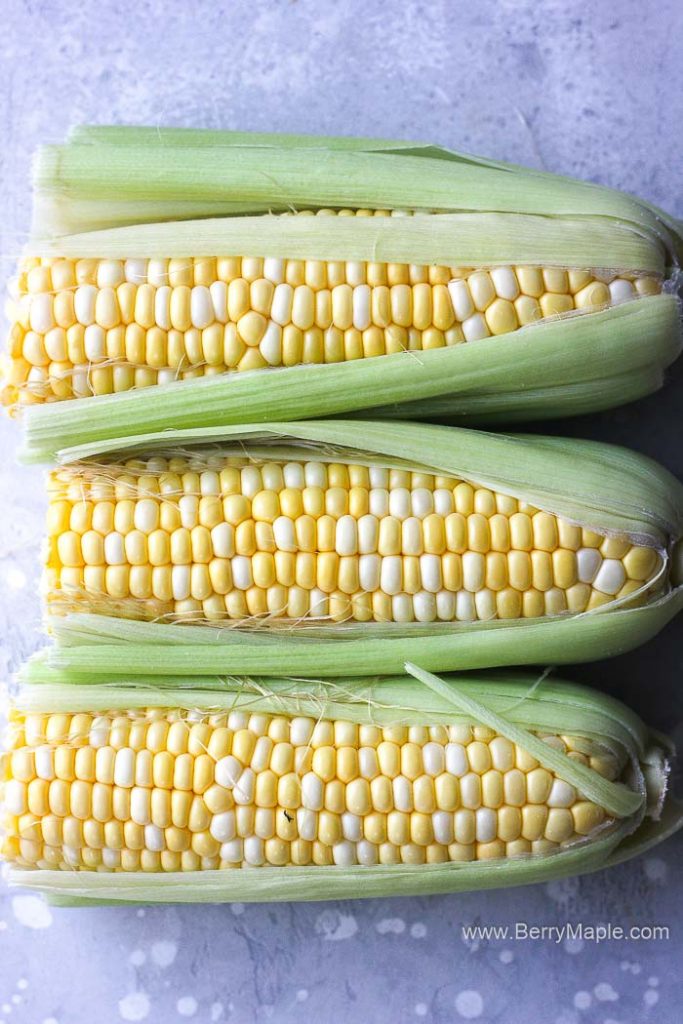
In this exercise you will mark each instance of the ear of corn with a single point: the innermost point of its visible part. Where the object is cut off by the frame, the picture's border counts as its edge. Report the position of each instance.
(108, 313)
(159, 794)
(349, 542)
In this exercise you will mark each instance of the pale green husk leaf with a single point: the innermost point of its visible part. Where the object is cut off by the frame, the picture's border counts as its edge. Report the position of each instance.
(455, 239)
(171, 138)
(94, 645)
(123, 183)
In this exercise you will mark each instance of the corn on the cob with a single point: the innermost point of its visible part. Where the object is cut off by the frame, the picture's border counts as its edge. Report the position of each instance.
(222, 537)
(359, 783)
(386, 542)
(407, 253)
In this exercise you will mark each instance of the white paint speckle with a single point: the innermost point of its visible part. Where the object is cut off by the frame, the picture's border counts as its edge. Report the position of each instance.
(237, 908)
(50, 1020)
(134, 1006)
(506, 956)
(140, 912)
(656, 869)
(573, 946)
(582, 1000)
(418, 930)
(469, 1004)
(16, 578)
(420, 1009)
(164, 953)
(187, 1006)
(6, 1008)
(3, 926)
(653, 981)
(16, 999)
(23, 983)
(302, 995)
(636, 968)
(216, 1011)
(335, 926)
(604, 993)
(30, 911)
(562, 890)
(651, 997)
(391, 926)
(137, 957)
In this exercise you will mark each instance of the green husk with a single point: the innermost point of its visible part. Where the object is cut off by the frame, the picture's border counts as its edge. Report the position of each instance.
(526, 699)
(264, 175)
(603, 487)
(90, 645)
(513, 705)
(171, 138)
(510, 407)
(577, 363)
(464, 239)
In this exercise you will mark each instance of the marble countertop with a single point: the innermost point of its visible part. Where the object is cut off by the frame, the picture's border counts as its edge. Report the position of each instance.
(572, 86)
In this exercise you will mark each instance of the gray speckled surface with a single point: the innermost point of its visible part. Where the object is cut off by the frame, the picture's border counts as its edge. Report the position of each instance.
(593, 89)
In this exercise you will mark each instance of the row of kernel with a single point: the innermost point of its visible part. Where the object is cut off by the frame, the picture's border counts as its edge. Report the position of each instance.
(179, 730)
(154, 596)
(221, 350)
(482, 304)
(189, 593)
(175, 732)
(249, 476)
(314, 792)
(51, 274)
(237, 563)
(205, 560)
(256, 852)
(464, 826)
